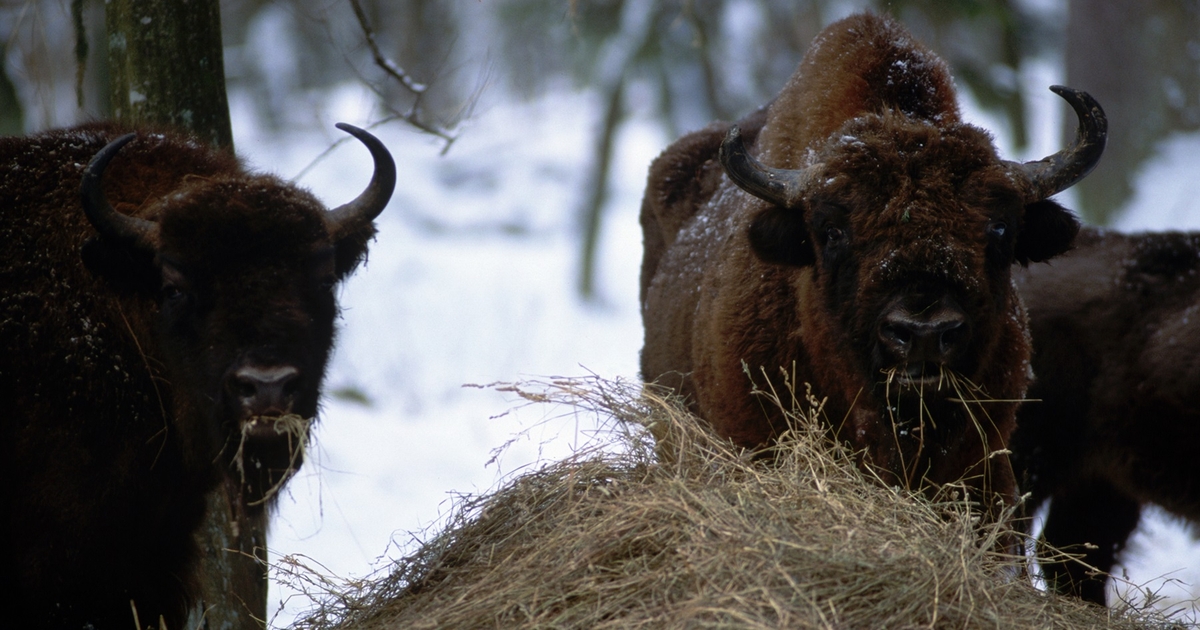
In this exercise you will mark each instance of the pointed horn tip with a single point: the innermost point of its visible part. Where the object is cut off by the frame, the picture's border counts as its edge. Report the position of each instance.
(731, 145)
(374, 199)
(1083, 104)
(108, 222)
(105, 155)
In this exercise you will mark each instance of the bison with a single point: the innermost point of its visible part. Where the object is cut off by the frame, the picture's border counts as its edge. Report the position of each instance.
(167, 335)
(871, 260)
(1115, 409)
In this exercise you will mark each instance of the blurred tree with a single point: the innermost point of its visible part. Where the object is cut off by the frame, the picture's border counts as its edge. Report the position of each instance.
(1141, 60)
(168, 66)
(12, 115)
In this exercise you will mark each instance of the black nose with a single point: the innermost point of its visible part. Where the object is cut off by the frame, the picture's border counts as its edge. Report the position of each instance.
(933, 335)
(265, 391)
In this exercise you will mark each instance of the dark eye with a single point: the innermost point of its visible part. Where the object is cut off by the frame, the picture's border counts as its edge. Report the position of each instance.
(171, 293)
(834, 235)
(174, 285)
(996, 229)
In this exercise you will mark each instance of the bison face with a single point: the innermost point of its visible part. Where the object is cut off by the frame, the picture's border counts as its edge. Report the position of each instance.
(247, 320)
(245, 268)
(910, 228)
(911, 231)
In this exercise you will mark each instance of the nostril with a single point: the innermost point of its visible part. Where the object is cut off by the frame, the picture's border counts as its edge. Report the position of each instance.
(265, 388)
(895, 333)
(243, 388)
(953, 334)
(290, 386)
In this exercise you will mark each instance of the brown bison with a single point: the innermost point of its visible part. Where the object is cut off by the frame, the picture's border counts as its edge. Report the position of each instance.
(1115, 415)
(169, 334)
(872, 260)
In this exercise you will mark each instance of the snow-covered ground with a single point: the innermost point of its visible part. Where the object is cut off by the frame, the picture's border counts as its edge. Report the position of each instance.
(471, 280)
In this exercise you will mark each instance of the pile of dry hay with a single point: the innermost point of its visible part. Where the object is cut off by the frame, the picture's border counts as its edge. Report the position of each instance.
(687, 531)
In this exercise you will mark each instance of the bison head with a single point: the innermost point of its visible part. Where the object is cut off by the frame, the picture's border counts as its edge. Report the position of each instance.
(243, 269)
(910, 228)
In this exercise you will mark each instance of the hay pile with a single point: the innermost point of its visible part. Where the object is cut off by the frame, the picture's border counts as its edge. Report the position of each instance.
(683, 530)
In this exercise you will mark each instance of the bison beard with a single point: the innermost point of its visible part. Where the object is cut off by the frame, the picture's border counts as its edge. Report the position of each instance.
(1117, 411)
(871, 260)
(168, 335)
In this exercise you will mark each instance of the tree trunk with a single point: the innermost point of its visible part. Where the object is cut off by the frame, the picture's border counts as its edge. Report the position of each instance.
(1138, 58)
(167, 68)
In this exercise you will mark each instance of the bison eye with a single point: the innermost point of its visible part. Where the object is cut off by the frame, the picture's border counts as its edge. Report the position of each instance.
(172, 293)
(834, 235)
(997, 229)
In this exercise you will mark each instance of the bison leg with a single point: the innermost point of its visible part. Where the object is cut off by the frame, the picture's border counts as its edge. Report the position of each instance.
(1091, 512)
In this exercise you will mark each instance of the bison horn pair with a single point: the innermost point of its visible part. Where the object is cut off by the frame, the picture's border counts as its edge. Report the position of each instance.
(142, 234)
(1043, 178)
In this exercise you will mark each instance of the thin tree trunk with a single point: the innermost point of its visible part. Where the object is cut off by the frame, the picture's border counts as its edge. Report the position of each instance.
(167, 68)
(637, 19)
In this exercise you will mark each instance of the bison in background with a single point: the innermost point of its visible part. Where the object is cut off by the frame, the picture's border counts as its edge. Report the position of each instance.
(1117, 412)
(168, 335)
(872, 260)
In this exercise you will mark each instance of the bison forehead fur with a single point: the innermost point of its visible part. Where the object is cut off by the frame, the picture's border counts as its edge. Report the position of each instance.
(141, 371)
(872, 259)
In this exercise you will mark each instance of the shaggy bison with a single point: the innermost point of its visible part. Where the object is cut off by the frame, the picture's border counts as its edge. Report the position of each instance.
(168, 334)
(1117, 394)
(871, 259)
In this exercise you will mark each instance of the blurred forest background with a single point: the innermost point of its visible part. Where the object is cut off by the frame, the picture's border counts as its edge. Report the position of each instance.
(434, 64)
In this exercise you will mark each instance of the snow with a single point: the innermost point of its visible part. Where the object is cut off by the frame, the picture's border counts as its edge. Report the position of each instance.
(471, 280)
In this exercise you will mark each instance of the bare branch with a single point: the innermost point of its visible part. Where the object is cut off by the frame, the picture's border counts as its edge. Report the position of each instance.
(387, 65)
(416, 88)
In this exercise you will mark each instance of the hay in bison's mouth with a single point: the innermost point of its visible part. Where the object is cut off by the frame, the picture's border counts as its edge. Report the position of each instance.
(928, 376)
(276, 443)
(286, 426)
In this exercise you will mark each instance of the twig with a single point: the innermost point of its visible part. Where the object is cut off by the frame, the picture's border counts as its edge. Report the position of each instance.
(417, 89)
(383, 62)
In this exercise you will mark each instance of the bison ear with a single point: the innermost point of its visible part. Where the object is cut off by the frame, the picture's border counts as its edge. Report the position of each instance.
(779, 236)
(1047, 230)
(126, 269)
(352, 250)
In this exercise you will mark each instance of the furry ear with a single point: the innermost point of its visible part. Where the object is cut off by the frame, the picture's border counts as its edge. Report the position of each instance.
(1047, 230)
(126, 269)
(780, 237)
(352, 250)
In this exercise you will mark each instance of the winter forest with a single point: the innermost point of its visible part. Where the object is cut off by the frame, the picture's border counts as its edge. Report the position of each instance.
(522, 132)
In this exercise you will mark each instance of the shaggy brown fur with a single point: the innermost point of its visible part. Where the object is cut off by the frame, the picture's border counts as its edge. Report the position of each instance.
(910, 211)
(116, 372)
(1117, 416)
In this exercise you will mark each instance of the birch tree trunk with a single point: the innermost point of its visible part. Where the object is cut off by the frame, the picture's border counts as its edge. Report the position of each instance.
(167, 68)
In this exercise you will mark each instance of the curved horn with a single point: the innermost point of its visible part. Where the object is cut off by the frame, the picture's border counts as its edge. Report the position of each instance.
(782, 187)
(1056, 173)
(111, 224)
(345, 219)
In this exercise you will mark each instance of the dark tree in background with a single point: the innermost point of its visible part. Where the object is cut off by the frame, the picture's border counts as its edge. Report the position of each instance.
(167, 66)
(1141, 60)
